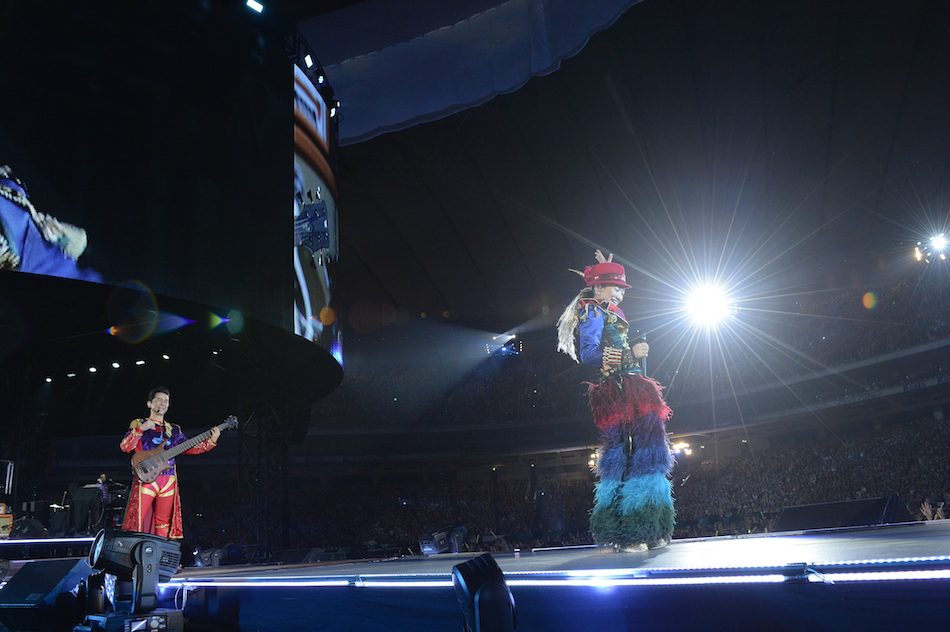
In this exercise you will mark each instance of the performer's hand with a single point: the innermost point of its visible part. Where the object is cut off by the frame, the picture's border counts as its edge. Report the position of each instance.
(641, 350)
(215, 433)
(148, 424)
(600, 256)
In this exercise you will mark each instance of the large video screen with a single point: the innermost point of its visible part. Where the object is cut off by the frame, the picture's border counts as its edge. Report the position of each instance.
(139, 145)
(315, 217)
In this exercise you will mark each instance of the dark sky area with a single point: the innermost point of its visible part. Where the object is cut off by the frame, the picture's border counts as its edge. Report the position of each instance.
(778, 147)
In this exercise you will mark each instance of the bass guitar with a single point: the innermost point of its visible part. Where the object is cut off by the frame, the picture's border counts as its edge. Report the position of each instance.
(148, 464)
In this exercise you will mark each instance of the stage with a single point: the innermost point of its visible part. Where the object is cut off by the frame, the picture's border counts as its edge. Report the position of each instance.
(887, 577)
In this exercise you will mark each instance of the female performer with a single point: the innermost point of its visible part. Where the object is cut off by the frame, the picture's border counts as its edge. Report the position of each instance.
(633, 500)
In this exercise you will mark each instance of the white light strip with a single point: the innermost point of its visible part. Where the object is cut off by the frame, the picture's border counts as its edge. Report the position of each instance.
(880, 576)
(651, 581)
(401, 584)
(564, 548)
(892, 560)
(252, 584)
(44, 541)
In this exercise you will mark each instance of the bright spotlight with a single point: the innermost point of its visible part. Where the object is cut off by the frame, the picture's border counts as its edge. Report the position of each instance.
(165, 356)
(708, 305)
(116, 365)
(938, 242)
(92, 369)
(70, 375)
(307, 59)
(48, 380)
(139, 362)
(255, 5)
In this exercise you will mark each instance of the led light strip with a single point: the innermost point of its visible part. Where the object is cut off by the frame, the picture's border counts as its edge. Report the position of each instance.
(876, 576)
(44, 541)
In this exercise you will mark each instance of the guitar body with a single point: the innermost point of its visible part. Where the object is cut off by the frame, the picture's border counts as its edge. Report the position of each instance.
(147, 465)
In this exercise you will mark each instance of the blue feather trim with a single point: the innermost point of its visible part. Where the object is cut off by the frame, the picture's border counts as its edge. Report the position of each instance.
(605, 492)
(655, 459)
(612, 461)
(641, 491)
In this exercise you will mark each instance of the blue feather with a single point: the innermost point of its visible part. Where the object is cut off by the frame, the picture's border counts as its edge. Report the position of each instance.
(604, 492)
(654, 459)
(641, 491)
(610, 465)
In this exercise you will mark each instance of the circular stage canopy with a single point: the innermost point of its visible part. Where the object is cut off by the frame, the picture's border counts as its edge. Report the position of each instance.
(83, 356)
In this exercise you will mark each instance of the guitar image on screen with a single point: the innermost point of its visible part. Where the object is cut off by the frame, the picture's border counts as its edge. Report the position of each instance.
(148, 464)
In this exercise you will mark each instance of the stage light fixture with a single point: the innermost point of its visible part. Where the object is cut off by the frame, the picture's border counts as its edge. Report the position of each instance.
(709, 305)
(49, 380)
(139, 362)
(321, 79)
(165, 356)
(484, 597)
(92, 369)
(115, 365)
(307, 59)
(70, 375)
(141, 558)
(938, 242)
(255, 5)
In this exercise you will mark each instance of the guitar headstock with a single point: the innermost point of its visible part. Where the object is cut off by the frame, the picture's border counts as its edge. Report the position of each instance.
(230, 423)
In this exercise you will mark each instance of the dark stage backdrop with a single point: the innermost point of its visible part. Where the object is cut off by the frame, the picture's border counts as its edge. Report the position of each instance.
(165, 131)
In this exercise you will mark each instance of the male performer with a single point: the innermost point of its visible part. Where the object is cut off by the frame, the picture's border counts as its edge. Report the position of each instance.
(156, 507)
(633, 500)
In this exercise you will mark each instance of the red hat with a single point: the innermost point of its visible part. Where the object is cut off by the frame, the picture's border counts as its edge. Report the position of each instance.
(606, 273)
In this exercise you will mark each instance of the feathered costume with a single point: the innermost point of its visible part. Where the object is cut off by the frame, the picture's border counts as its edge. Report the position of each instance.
(633, 499)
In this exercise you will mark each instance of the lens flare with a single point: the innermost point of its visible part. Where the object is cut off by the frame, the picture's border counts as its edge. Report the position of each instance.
(133, 311)
(869, 300)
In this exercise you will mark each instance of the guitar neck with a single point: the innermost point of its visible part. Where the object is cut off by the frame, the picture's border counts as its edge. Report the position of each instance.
(184, 446)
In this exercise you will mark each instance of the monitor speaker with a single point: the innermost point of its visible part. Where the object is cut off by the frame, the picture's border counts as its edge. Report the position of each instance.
(38, 596)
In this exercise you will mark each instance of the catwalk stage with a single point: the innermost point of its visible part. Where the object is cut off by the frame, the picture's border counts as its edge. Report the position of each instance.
(889, 577)
(880, 578)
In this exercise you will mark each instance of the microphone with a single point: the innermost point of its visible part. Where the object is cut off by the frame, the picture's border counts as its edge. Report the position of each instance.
(641, 337)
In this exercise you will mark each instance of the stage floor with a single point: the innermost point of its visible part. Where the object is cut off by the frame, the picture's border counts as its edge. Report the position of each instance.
(876, 578)
(831, 547)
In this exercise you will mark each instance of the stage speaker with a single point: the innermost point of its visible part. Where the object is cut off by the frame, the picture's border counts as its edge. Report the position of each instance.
(450, 539)
(38, 596)
(845, 513)
(28, 528)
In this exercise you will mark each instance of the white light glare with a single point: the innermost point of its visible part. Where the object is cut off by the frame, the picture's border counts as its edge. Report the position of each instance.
(255, 5)
(139, 362)
(938, 242)
(308, 60)
(48, 380)
(116, 365)
(92, 369)
(708, 305)
(165, 356)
